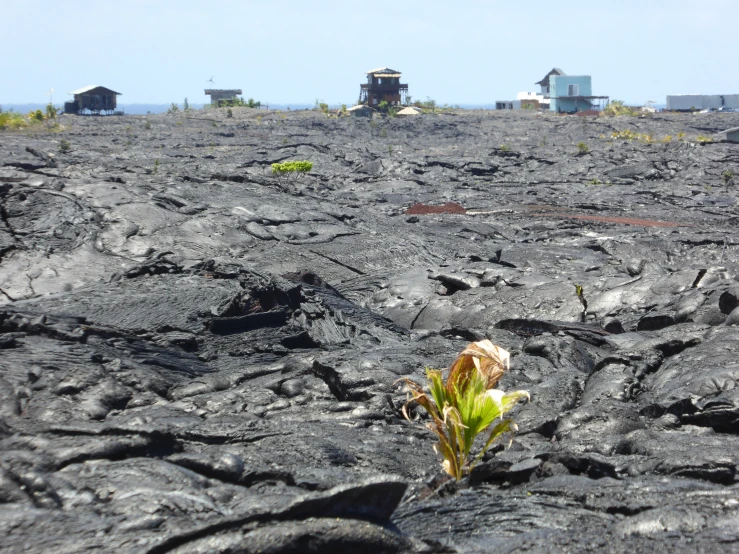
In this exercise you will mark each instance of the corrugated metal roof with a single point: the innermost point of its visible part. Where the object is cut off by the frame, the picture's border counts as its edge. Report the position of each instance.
(384, 71)
(555, 71)
(91, 87)
(408, 111)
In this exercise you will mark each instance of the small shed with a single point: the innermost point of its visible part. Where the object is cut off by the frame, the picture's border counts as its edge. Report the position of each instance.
(405, 112)
(218, 95)
(94, 99)
(732, 135)
(360, 110)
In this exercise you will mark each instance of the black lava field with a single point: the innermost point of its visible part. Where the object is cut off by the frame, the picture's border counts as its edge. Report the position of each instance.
(199, 356)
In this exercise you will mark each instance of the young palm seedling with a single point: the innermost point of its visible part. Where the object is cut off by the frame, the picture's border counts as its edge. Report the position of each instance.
(467, 405)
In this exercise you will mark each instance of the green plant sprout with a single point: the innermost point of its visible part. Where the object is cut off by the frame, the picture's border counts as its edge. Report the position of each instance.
(467, 405)
(582, 149)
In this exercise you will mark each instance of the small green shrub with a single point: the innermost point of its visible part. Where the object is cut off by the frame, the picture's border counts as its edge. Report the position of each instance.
(582, 149)
(467, 405)
(147, 125)
(12, 120)
(155, 170)
(292, 167)
(64, 145)
(229, 113)
(727, 176)
(617, 107)
(51, 111)
(703, 139)
(505, 148)
(595, 182)
(174, 108)
(186, 106)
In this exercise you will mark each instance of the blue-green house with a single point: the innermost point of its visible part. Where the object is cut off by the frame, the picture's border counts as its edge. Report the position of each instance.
(573, 93)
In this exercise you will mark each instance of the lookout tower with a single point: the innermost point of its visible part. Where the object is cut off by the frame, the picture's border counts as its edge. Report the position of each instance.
(383, 84)
(95, 99)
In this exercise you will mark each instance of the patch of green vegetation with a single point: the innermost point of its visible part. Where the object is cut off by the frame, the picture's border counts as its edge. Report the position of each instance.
(727, 176)
(703, 139)
(155, 170)
(582, 149)
(595, 182)
(186, 106)
(297, 167)
(239, 103)
(630, 135)
(505, 148)
(229, 113)
(618, 107)
(64, 146)
(147, 125)
(174, 108)
(467, 405)
(12, 120)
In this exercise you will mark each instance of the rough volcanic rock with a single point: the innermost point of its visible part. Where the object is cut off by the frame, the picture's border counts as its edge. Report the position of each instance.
(199, 356)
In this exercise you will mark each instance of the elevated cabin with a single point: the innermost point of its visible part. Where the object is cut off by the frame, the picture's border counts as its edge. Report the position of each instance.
(383, 84)
(545, 83)
(573, 93)
(220, 95)
(95, 100)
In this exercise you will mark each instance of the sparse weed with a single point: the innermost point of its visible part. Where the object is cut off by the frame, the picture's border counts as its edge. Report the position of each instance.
(467, 405)
(703, 139)
(505, 148)
(64, 146)
(595, 182)
(174, 108)
(681, 135)
(155, 170)
(383, 133)
(147, 125)
(229, 113)
(727, 176)
(582, 149)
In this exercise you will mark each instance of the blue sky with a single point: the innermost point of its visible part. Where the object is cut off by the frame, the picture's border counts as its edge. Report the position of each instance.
(297, 51)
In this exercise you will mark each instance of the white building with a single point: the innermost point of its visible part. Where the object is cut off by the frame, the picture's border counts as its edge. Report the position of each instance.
(687, 102)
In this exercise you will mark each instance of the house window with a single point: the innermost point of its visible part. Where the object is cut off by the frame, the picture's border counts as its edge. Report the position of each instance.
(573, 90)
